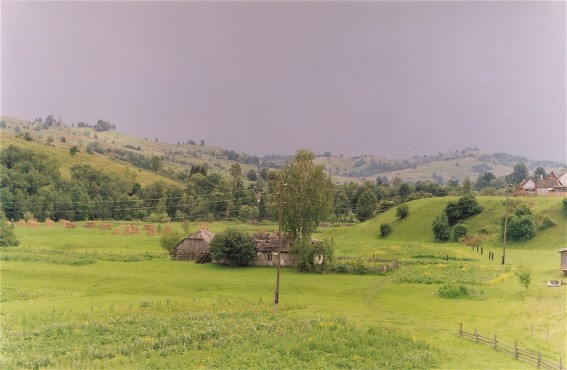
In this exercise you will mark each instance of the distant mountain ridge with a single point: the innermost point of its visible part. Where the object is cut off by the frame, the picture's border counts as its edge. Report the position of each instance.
(123, 148)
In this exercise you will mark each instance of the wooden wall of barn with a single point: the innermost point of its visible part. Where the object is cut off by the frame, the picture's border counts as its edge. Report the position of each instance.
(191, 249)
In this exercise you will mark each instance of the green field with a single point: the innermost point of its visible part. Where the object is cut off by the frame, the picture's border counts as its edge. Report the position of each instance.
(86, 298)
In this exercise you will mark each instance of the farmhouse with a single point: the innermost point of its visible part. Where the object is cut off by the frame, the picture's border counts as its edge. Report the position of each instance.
(267, 250)
(195, 247)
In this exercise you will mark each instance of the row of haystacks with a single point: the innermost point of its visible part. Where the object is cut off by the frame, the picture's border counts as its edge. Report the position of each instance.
(129, 229)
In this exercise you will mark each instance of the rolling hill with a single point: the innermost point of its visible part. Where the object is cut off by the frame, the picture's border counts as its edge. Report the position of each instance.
(119, 152)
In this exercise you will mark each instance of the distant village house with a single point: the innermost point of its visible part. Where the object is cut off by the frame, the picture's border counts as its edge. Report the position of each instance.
(552, 184)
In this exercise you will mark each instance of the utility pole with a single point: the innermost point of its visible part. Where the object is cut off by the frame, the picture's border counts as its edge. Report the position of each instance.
(505, 231)
(280, 221)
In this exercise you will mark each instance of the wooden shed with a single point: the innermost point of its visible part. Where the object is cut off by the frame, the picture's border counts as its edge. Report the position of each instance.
(267, 250)
(195, 247)
(564, 260)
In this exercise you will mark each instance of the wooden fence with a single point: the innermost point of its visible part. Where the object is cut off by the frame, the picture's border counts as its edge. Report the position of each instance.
(530, 357)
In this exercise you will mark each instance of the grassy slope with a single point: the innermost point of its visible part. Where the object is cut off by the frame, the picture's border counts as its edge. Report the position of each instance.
(509, 311)
(416, 227)
(81, 137)
(61, 154)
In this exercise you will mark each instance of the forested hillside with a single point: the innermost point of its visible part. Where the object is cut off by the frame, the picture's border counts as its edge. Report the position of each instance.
(82, 172)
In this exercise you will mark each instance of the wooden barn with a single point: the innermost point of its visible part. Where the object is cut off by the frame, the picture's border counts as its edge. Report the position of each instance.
(267, 250)
(564, 260)
(195, 247)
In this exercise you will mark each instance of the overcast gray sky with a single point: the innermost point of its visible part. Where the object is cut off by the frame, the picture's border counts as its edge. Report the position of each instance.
(392, 79)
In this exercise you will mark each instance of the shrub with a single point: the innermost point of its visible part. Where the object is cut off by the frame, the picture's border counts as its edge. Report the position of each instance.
(565, 206)
(402, 211)
(385, 230)
(7, 236)
(453, 291)
(313, 257)
(441, 228)
(465, 207)
(28, 216)
(524, 275)
(359, 268)
(460, 231)
(342, 269)
(94, 147)
(234, 246)
(170, 240)
(521, 225)
(547, 223)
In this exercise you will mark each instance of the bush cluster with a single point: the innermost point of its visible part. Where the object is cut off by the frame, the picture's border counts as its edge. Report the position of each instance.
(234, 246)
(521, 225)
(465, 207)
(460, 231)
(441, 228)
(385, 230)
(453, 291)
(402, 211)
(313, 257)
(360, 266)
(547, 223)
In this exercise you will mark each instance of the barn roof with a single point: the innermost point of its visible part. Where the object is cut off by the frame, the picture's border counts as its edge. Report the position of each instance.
(202, 234)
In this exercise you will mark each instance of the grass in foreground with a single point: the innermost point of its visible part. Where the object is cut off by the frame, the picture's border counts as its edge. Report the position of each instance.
(130, 306)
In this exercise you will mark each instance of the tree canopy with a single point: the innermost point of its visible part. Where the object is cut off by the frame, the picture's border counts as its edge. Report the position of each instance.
(365, 205)
(307, 195)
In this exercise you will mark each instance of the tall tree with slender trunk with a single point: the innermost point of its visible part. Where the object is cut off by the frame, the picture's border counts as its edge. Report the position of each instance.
(307, 194)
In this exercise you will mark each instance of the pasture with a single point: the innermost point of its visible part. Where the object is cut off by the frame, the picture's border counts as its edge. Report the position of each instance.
(91, 298)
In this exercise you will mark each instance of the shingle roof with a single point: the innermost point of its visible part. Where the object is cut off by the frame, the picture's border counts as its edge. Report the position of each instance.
(202, 234)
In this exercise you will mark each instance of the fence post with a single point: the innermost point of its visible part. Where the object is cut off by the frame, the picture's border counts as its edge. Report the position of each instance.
(547, 335)
(481, 250)
(560, 363)
(476, 335)
(495, 346)
(538, 359)
(516, 350)
(460, 329)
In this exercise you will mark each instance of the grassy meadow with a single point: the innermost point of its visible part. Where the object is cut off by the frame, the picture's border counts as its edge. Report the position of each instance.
(93, 298)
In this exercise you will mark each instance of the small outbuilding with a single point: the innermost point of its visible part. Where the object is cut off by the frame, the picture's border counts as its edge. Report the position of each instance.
(195, 247)
(564, 260)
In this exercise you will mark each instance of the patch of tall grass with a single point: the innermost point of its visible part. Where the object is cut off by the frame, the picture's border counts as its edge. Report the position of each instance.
(188, 335)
